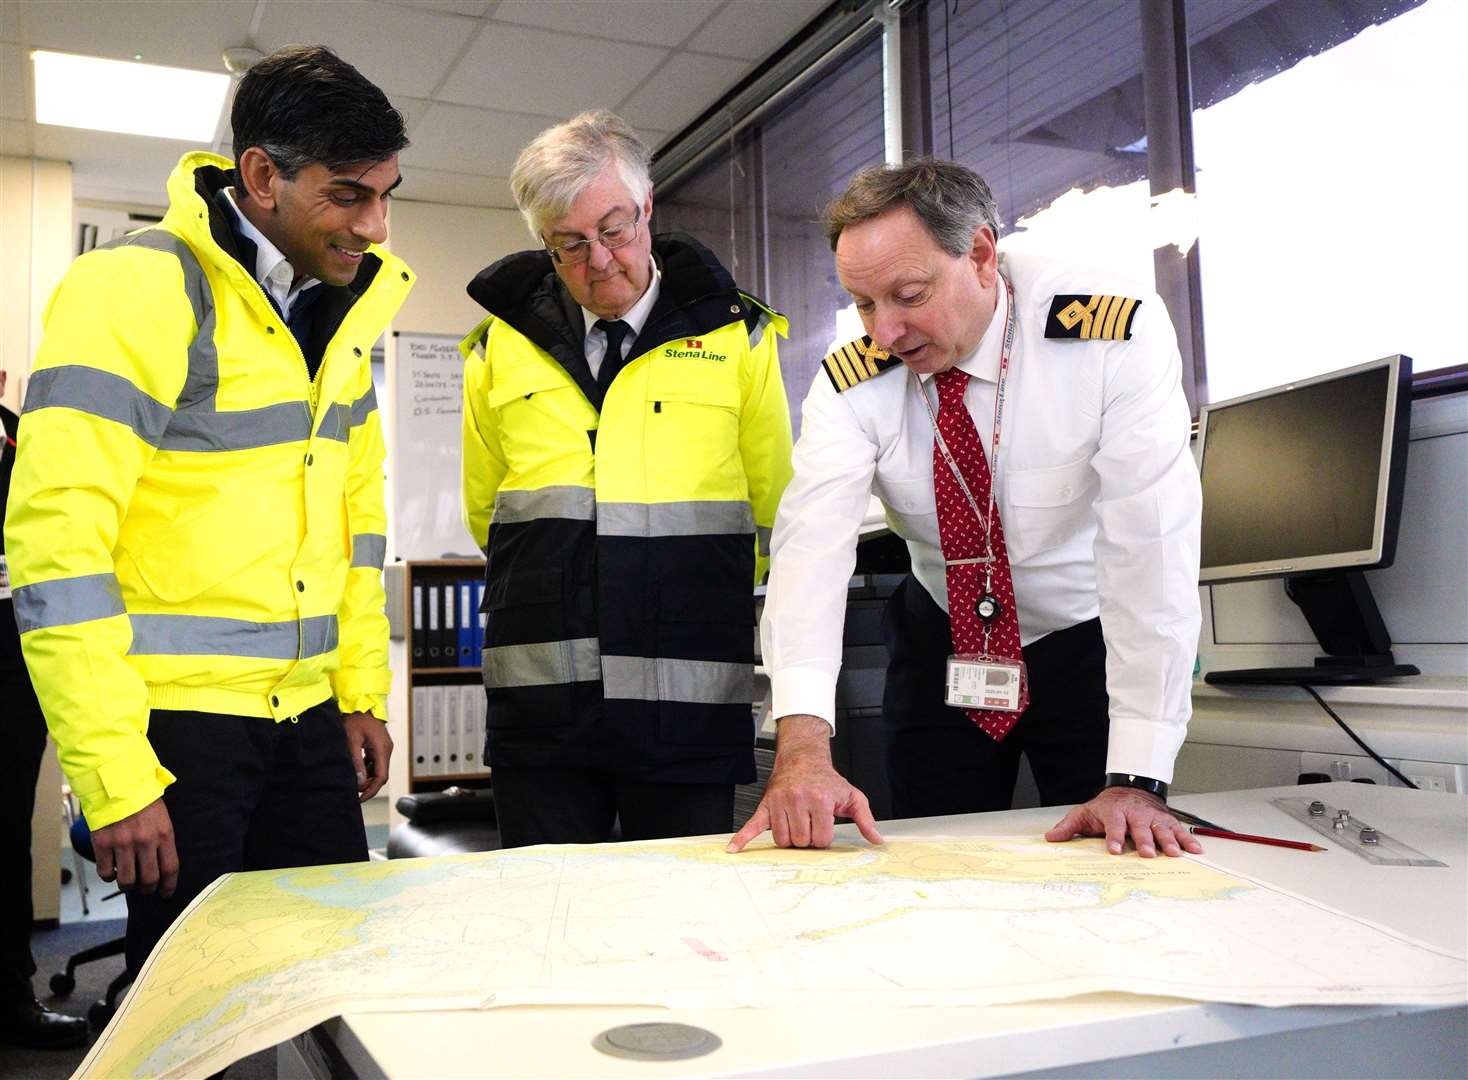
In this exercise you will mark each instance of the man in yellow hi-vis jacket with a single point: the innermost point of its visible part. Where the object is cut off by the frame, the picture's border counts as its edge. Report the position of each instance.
(196, 526)
(626, 441)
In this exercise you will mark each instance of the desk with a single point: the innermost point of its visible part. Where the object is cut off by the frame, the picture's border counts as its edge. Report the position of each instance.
(1094, 1036)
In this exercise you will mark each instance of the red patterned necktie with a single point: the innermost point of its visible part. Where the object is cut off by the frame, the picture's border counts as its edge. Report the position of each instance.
(962, 535)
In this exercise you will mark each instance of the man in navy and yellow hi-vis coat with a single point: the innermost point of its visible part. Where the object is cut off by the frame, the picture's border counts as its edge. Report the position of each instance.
(196, 529)
(626, 442)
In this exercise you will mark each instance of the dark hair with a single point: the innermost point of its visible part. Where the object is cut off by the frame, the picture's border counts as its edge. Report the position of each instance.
(305, 105)
(951, 200)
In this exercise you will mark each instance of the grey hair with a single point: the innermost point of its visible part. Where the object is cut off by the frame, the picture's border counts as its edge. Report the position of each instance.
(562, 160)
(951, 200)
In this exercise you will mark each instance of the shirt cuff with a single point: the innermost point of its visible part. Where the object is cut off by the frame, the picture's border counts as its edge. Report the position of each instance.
(804, 691)
(1145, 747)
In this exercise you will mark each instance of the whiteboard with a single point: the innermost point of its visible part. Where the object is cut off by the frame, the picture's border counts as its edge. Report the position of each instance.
(426, 382)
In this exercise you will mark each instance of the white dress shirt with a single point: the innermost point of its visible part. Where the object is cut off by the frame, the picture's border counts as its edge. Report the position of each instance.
(272, 269)
(1096, 487)
(636, 318)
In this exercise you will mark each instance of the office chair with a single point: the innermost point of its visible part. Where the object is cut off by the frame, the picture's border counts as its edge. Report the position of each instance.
(64, 982)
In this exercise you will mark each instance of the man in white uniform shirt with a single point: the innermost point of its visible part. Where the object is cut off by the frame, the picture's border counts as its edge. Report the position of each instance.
(1094, 515)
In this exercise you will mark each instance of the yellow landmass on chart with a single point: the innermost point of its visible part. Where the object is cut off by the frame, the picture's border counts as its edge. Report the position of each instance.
(1086, 864)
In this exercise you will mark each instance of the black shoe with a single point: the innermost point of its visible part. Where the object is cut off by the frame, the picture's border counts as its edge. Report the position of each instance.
(32, 1025)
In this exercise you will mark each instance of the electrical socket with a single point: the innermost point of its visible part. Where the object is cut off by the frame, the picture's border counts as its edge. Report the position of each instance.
(1432, 775)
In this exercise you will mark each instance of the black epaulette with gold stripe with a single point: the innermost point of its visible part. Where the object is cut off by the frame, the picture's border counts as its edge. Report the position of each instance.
(1091, 318)
(856, 362)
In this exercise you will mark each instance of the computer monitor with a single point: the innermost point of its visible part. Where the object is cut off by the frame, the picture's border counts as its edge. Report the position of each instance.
(1304, 482)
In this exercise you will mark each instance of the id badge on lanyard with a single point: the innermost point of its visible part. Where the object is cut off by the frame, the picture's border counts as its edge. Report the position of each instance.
(981, 681)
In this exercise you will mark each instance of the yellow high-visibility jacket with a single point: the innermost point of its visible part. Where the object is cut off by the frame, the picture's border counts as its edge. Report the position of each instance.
(194, 523)
(625, 525)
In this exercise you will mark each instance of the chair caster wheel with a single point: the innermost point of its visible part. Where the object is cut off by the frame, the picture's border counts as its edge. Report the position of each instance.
(62, 984)
(99, 1013)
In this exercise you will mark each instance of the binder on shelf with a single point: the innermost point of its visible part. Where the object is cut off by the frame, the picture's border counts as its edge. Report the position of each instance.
(453, 709)
(473, 727)
(434, 635)
(467, 616)
(420, 744)
(419, 627)
(450, 625)
(435, 730)
(479, 620)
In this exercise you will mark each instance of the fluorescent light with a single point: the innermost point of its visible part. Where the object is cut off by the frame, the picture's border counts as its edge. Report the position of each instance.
(127, 97)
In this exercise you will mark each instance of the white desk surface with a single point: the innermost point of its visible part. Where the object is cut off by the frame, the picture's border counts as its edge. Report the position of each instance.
(1430, 904)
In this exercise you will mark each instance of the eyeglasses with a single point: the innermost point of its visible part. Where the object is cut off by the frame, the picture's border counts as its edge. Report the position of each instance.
(612, 237)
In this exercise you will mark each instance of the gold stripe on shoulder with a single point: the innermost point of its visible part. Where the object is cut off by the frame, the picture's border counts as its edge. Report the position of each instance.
(856, 362)
(1097, 317)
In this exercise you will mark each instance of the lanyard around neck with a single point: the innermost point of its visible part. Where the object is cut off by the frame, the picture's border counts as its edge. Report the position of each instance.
(984, 519)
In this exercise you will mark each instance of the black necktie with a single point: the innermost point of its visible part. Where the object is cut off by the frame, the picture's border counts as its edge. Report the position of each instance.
(616, 331)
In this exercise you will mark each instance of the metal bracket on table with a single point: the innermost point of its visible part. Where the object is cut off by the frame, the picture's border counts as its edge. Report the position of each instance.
(1353, 834)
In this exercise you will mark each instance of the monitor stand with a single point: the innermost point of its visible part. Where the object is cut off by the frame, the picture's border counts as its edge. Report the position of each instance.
(1341, 610)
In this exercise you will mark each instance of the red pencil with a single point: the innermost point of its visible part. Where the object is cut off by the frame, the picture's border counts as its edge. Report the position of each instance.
(1299, 845)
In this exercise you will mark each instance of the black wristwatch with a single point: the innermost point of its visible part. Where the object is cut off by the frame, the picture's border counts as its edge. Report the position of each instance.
(1141, 783)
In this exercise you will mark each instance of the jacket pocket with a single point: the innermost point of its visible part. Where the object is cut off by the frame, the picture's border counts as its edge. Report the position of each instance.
(1046, 506)
(203, 549)
(693, 437)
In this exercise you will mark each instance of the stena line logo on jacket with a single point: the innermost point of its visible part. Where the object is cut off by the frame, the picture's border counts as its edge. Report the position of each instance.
(694, 350)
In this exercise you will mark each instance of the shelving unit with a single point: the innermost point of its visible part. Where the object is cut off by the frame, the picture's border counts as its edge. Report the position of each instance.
(415, 770)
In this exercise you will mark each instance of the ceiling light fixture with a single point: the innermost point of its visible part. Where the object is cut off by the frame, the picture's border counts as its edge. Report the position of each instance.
(126, 97)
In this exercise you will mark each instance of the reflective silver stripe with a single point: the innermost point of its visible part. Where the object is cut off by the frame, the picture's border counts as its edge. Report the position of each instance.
(200, 430)
(762, 538)
(369, 549)
(98, 393)
(544, 663)
(203, 635)
(703, 518)
(66, 601)
(757, 334)
(318, 635)
(700, 682)
(567, 502)
(363, 407)
(336, 423)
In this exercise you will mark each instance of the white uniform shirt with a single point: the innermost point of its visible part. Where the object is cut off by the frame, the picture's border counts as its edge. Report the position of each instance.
(635, 317)
(273, 270)
(1096, 487)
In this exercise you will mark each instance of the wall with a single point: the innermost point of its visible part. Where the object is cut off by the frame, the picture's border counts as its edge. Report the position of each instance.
(446, 246)
(35, 230)
(35, 234)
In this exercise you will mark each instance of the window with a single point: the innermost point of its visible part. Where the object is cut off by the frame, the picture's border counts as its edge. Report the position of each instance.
(1043, 98)
(1329, 163)
(756, 202)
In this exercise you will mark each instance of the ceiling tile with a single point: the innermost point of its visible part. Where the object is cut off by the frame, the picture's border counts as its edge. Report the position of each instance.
(15, 70)
(536, 71)
(752, 29)
(15, 138)
(402, 50)
(656, 22)
(105, 165)
(157, 29)
(457, 138)
(460, 189)
(472, 8)
(686, 85)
